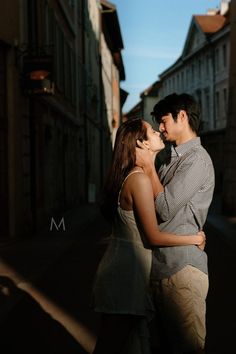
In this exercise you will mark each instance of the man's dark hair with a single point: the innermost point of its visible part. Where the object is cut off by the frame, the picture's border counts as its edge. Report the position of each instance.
(173, 104)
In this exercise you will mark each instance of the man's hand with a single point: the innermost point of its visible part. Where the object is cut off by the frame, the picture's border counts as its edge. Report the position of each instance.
(143, 157)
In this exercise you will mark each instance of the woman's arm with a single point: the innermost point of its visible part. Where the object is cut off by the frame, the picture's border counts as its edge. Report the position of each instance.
(143, 205)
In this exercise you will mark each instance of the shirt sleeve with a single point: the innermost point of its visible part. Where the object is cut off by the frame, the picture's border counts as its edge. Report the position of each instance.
(190, 177)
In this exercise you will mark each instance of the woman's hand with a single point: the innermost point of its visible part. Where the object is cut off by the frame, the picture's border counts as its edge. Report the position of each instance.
(202, 243)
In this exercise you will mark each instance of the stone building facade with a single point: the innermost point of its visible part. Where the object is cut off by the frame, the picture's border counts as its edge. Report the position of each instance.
(203, 67)
(229, 176)
(55, 133)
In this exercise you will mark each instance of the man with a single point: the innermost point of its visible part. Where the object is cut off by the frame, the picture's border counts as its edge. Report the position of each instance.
(183, 193)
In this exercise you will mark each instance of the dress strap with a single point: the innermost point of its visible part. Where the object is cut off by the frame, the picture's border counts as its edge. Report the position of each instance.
(131, 173)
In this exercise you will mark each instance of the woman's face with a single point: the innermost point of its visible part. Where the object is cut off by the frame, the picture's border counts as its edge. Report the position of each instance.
(154, 141)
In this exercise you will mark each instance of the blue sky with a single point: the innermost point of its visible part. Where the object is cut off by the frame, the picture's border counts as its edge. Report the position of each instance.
(154, 32)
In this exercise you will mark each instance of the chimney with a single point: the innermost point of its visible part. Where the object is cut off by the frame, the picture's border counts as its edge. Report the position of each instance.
(212, 12)
(224, 6)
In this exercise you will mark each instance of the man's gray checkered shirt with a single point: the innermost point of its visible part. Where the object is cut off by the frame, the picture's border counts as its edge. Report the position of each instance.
(182, 208)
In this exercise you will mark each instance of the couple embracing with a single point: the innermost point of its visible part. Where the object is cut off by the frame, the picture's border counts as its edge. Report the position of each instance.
(155, 261)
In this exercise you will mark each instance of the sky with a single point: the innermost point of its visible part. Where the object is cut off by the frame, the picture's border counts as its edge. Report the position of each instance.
(153, 33)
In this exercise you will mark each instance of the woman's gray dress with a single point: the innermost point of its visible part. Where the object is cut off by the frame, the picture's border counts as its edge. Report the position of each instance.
(121, 284)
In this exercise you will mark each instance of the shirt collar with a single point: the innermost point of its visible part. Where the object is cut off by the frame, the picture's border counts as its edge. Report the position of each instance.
(183, 148)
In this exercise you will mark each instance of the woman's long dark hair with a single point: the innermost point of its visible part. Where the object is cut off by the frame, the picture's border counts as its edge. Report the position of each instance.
(123, 161)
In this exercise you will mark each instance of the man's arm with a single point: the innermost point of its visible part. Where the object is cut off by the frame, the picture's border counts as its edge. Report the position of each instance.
(192, 176)
(145, 161)
(156, 184)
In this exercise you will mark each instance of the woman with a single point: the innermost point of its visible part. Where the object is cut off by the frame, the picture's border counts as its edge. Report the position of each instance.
(121, 287)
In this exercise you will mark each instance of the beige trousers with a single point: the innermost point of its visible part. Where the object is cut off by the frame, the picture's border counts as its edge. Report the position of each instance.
(181, 301)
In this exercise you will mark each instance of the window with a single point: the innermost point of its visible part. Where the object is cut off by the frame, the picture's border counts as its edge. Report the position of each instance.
(177, 83)
(199, 97)
(188, 79)
(217, 60)
(199, 69)
(49, 25)
(208, 64)
(60, 60)
(224, 55)
(32, 22)
(182, 79)
(225, 101)
(206, 113)
(173, 84)
(73, 77)
(217, 97)
(193, 73)
(68, 78)
(207, 105)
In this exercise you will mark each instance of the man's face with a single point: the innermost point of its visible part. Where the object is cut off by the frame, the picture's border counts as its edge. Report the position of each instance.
(170, 128)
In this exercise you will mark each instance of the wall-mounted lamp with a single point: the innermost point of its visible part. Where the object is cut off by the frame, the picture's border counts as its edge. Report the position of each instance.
(37, 75)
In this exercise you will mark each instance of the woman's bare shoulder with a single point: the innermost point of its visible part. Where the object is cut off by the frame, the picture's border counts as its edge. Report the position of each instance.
(139, 178)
